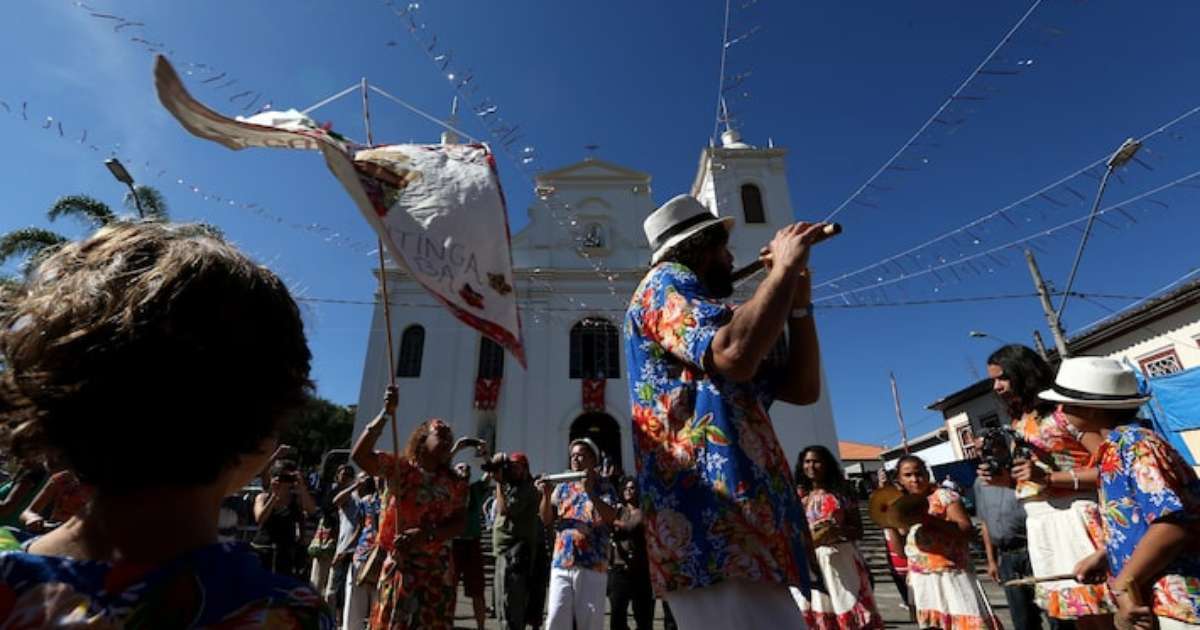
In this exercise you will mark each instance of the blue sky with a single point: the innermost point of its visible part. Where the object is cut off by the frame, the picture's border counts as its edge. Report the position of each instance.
(842, 84)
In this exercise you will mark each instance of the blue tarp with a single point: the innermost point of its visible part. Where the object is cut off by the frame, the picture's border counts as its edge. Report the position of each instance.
(1174, 406)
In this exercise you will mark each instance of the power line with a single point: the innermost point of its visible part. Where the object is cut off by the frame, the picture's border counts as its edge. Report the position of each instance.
(1008, 245)
(967, 300)
(1138, 301)
(938, 112)
(1001, 212)
(959, 300)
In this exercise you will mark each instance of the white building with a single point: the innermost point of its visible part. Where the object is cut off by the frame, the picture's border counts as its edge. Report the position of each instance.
(572, 316)
(1160, 337)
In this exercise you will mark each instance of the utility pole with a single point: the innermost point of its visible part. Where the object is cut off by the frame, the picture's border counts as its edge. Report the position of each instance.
(1039, 344)
(899, 414)
(1060, 338)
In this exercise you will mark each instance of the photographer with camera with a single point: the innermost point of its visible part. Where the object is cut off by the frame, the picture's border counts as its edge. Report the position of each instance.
(514, 534)
(1045, 459)
(279, 513)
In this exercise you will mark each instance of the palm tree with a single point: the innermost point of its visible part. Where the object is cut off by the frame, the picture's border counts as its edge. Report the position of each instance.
(34, 244)
(153, 204)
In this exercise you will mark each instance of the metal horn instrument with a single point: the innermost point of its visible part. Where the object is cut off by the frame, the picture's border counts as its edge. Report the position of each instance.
(563, 477)
(740, 275)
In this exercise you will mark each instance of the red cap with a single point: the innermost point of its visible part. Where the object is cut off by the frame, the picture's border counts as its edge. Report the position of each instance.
(519, 457)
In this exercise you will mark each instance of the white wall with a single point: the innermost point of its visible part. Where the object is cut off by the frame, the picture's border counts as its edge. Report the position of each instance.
(942, 453)
(1179, 330)
(556, 288)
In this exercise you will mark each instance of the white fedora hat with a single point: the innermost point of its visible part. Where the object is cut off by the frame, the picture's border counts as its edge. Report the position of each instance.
(675, 221)
(1095, 382)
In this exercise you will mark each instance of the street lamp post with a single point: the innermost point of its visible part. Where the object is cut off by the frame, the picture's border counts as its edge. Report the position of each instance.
(1120, 158)
(979, 334)
(120, 174)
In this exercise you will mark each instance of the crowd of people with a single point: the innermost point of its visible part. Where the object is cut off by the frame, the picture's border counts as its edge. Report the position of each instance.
(150, 334)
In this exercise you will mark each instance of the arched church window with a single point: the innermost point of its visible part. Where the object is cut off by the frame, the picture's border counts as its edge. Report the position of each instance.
(595, 349)
(752, 204)
(491, 359)
(412, 348)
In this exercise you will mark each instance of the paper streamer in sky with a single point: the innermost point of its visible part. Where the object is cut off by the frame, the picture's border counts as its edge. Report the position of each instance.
(438, 208)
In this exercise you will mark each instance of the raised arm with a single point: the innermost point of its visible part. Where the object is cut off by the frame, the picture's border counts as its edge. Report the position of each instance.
(802, 383)
(307, 503)
(265, 503)
(364, 454)
(741, 345)
(340, 498)
(32, 518)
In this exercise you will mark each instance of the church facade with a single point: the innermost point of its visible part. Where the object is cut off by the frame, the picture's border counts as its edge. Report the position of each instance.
(574, 275)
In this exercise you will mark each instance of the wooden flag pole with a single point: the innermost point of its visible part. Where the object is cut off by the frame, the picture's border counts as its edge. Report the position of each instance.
(383, 292)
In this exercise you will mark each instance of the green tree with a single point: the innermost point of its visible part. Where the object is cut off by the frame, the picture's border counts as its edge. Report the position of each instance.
(154, 205)
(319, 426)
(33, 243)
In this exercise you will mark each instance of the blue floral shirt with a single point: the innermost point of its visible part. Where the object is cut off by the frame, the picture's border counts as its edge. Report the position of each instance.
(718, 495)
(1143, 479)
(217, 586)
(368, 514)
(581, 538)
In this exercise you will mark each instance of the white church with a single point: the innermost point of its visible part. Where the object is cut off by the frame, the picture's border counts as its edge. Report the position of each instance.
(572, 315)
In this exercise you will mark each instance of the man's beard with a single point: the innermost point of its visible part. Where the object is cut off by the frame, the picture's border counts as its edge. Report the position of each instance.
(718, 279)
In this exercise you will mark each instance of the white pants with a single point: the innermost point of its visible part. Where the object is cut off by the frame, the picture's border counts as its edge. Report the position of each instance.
(736, 604)
(577, 594)
(358, 604)
(319, 574)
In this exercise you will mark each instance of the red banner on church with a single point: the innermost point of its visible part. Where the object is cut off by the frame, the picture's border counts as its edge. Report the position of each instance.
(487, 393)
(593, 394)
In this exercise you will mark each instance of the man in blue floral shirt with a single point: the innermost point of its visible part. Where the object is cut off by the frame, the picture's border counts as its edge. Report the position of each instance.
(581, 513)
(724, 529)
(1149, 499)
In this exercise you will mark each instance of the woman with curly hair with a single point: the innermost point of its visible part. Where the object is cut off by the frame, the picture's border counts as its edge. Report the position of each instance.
(425, 509)
(833, 519)
(160, 364)
(1055, 485)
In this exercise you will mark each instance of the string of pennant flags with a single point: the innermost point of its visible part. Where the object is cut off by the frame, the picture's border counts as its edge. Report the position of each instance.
(579, 308)
(956, 244)
(956, 254)
(976, 262)
(508, 136)
(1009, 58)
(137, 33)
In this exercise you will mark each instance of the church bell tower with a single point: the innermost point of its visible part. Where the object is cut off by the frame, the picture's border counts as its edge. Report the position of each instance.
(749, 184)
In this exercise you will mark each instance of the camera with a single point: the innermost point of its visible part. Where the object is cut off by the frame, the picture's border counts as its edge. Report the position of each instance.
(1000, 446)
(498, 465)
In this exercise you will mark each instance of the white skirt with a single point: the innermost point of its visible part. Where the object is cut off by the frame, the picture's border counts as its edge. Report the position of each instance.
(953, 600)
(849, 602)
(1058, 538)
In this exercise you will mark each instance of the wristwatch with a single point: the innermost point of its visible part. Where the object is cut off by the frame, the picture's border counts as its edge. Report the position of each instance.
(802, 312)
